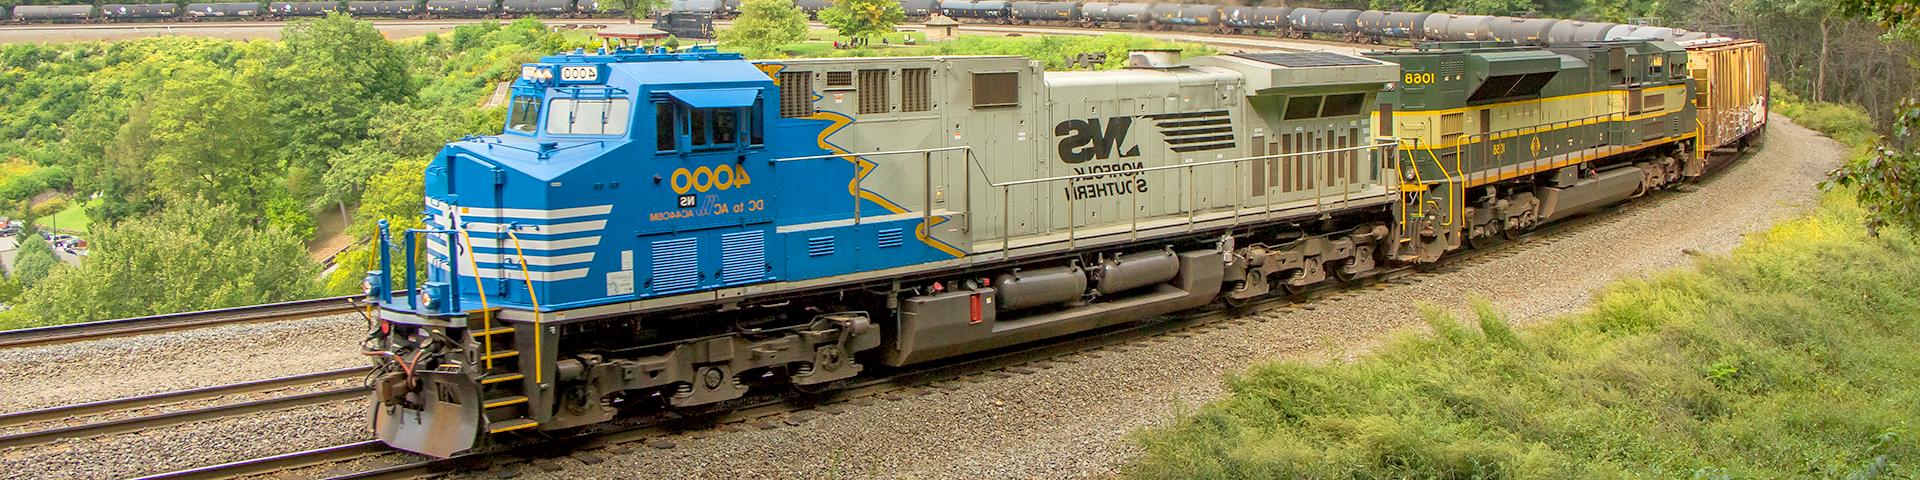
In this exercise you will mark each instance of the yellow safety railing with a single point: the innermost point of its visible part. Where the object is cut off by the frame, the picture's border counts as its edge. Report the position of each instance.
(539, 360)
(486, 311)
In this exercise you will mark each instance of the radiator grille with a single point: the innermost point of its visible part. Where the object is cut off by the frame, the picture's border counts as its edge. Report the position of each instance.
(743, 256)
(916, 90)
(873, 92)
(819, 246)
(889, 238)
(676, 265)
(796, 94)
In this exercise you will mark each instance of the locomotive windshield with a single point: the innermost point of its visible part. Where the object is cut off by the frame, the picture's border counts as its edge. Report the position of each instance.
(526, 114)
(589, 117)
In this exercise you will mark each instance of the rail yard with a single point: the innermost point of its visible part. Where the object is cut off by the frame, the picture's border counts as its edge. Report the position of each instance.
(1204, 344)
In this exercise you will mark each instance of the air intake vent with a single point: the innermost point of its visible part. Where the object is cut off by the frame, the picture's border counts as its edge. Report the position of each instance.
(819, 246)
(743, 257)
(889, 238)
(676, 265)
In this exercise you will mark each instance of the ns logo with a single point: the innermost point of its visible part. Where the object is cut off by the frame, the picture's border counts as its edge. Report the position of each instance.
(1085, 140)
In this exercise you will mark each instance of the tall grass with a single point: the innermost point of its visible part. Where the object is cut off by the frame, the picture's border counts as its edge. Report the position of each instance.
(1795, 356)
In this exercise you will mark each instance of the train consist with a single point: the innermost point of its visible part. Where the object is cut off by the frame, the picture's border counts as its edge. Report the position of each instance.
(147, 12)
(670, 231)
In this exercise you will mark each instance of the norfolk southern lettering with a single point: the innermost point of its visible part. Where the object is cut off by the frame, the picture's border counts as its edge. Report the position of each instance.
(1121, 179)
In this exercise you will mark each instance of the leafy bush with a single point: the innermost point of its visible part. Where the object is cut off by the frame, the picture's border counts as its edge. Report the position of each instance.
(192, 256)
(1793, 357)
(34, 260)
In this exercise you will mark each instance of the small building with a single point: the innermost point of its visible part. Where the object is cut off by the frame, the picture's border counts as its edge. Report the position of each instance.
(629, 35)
(941, 28)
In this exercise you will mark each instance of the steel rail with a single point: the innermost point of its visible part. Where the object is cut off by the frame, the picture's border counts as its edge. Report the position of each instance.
(175, 418)
(266, 465)
(129, 403)
(176, 321)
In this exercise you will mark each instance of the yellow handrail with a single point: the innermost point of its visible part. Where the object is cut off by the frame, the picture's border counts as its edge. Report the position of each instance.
(486, 311)
(539, 360)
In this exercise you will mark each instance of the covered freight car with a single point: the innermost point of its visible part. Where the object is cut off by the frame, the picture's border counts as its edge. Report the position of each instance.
(1730, 81)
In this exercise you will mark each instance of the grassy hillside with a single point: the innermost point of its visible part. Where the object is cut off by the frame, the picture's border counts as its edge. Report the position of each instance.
(1792, 357)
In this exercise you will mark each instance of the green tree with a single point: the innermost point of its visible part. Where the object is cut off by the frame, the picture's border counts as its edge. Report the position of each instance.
(861, 20)
(395, 196)
(636, 9)
(326, 83)
(34, 260)
(192, 255)
(207, 140)
(764, 25)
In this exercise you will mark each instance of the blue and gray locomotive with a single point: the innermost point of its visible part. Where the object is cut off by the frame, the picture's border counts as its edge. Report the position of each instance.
(662, 230)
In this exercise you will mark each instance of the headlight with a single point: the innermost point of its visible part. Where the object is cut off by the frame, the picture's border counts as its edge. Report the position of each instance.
(426, 298)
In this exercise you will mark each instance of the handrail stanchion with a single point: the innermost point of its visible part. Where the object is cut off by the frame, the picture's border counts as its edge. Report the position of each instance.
(1193, 198)
(386, 264)
(1133, 230)
(926, 218)
(1238, 198)
(1071, 193)
(1006, 222)
(413, 290)
(856, 190)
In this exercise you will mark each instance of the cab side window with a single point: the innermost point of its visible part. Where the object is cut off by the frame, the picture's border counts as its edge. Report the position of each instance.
(679, 127)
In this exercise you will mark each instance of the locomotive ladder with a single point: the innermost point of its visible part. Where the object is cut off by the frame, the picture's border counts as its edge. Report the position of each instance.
(502, 384)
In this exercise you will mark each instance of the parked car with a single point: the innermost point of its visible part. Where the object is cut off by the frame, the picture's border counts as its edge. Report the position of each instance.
(9, 229)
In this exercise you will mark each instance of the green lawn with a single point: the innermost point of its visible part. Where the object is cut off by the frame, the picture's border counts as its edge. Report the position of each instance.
(74, 217)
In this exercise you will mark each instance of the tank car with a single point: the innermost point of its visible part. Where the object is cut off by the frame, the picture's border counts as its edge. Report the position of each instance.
(1255, 18)
(52, 13)
(1056, 12)
(302, 9)
(139, 11)
(548, 8)
(1114, 14)
(976, 9)
(710, 7)
(1394, 25)
(919, 8)
(448, 8)
(1523, 31)
(1173, 14)
(221, 10)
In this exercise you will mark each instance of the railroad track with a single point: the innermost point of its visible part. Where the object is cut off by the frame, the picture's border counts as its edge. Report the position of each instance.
(176, 321)
(768, 412)
(257, 396)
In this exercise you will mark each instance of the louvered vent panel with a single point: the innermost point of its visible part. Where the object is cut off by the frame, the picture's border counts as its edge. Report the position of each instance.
(889, 238)
(796, 94)
(839, 79)
(676, 265)
(916, 90)
(873, 92)
(743, 256)
(819, 246)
